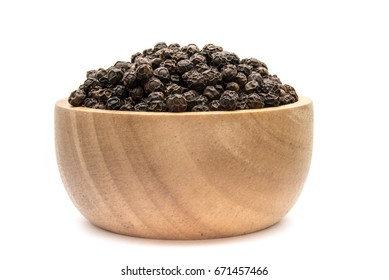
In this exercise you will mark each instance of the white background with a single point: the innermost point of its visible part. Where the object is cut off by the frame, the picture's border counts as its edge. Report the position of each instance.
(335, 52)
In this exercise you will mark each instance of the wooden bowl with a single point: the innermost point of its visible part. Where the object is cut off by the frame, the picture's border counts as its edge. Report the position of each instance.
(184, 175)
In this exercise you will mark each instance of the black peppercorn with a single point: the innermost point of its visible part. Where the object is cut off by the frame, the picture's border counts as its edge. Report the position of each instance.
(194, 80)
(198, 58)
(228, 100)
(90, 102)
(114, 103)
(254, 101)
(214, 105)
(153, 84)
(114, 75)
(233, 86)
(212, 76)
(154, 96)
(144, 72)
(162, 73)
(251, 87)
(211, 93)
(129, 79)
(157, 106)
(228, 73)
(176, 103)
(136, 93)
(184, 65)
(159, 46)
(120, 91)
(173, 88)
(245, 68)
(77, 98)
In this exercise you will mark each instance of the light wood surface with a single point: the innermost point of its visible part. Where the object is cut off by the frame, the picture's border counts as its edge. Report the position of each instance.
(184, 175)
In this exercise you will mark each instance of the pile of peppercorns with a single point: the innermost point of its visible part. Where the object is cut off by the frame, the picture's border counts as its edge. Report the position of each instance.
(178, 79)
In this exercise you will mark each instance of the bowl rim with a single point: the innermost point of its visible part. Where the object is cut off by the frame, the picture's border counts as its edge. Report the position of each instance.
(63, 103)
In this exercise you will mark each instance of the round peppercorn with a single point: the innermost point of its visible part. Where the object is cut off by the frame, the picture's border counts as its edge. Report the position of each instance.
(77, 98)
(271, 100)
(190, 97)
(254, 76)
(173, 88)
(162, 73)
(90, 102)
(254, 101)
(229, 72)
(231, 58)
(214, 105)
(240, 79)
(287, 99)
(198, 58)
(170, 65)
(157, 106)
(191, 49)
(155, 62)
(201, 100)
(159, 46)
(89, 83)
(245, 68)
(218, 59)
(122, 65)
(184, 65)
(120, 91)
(144, 72)
(114, 103)
(134, 56)
(155, 96)
(233, 86)
(263, 71)
(202, 67)
(211, 93)
(136, 93)
(100, 105)
(179, 55)
(251, 87)
(241, 105)
(114, 75)
(212, 76)
(270, 86)
(129, 79)
(194, 80)
(153, 84)
(101, 94)
(176, 103)
(228, 100)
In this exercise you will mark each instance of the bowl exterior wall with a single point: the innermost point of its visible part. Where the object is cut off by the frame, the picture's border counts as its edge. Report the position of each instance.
(184, 176)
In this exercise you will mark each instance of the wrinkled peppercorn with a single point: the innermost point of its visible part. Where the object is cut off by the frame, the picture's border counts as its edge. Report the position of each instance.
(178, 79)
(228, 100)
(176, 103)
(114, 103)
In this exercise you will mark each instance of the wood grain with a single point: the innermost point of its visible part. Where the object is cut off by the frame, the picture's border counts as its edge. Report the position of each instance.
(184, 175)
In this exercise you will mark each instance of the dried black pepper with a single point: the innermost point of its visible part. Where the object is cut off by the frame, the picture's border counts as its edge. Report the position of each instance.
(176, 103)
(178, 79)
(114, 103)
(228, 100)
(77, 98)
